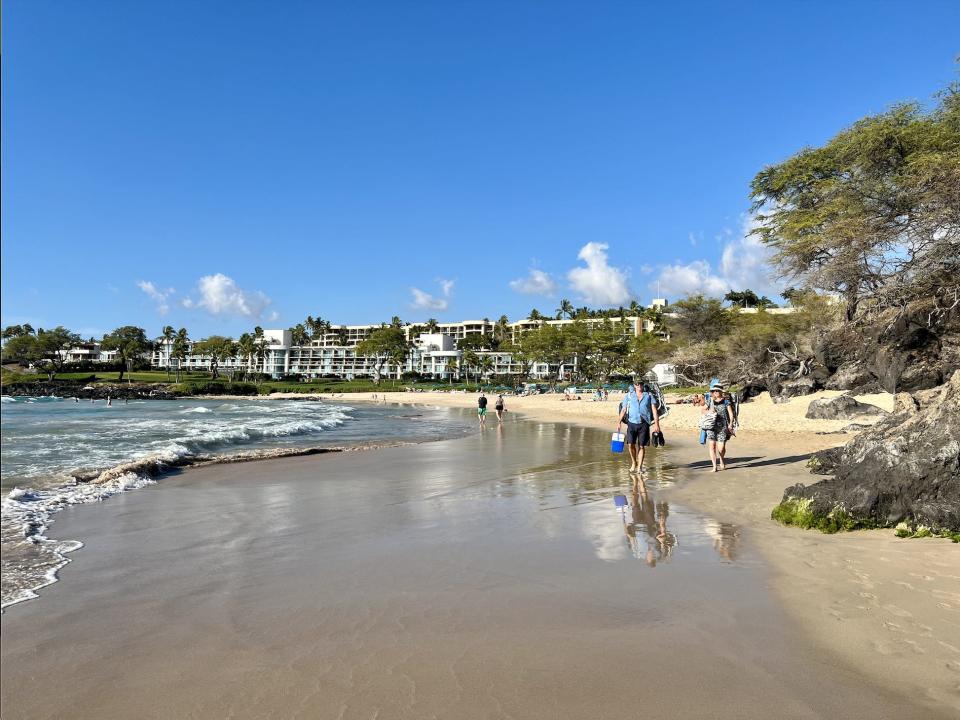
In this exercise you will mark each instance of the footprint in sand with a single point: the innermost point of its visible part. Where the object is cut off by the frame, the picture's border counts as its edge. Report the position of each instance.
(883, 648)
(907, 585)
(899, 612)
(949, 647)
(915, 647)
(892, 626)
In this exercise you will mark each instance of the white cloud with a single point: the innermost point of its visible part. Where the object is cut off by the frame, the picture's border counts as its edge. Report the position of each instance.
(220, 295)
(693, 278)
(744, 264)
(537, 282)
(160, 297)
(599, 283)
(425, 301)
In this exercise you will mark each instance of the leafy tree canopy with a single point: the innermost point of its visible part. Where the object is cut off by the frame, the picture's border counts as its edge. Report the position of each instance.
(874, 214)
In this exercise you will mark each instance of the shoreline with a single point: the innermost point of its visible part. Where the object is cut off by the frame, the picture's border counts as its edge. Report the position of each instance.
(310, 587)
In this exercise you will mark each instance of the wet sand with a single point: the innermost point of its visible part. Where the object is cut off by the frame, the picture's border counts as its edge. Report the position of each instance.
(490, 576)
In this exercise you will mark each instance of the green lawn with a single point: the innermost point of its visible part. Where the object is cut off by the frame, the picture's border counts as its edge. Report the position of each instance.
(356, 386)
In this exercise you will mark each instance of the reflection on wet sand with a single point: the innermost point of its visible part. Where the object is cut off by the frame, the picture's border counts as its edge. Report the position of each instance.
(646, 530)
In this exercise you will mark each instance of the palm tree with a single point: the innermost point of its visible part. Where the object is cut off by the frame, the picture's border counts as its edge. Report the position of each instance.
(535, 315)
(299, 335)
(486, 365)
(432, 325)
(260, 350)
(566, 308)
(246, 347)
(452, 368)
(178, 351)
(167, 334)
(502, 328)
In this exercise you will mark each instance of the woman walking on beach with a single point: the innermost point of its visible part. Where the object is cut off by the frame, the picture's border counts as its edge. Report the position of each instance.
(719, 430)
(500, 408)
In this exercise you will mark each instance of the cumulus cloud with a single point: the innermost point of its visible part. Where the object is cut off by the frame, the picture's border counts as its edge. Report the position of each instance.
(220, 295)
(537, 282)
(425, 301)
(160, 297)
(744, 264)
(599, 283)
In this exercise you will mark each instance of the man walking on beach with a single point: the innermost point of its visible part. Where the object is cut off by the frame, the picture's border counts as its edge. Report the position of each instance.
(639, 412)
(482, 408)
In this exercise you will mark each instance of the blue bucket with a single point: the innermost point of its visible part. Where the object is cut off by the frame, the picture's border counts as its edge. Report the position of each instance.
(616, 442)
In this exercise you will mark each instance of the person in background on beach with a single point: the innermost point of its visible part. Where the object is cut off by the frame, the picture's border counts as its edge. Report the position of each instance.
(109, 401)
(722, 426)
(482, 408)
(639, 412)
(500, 408)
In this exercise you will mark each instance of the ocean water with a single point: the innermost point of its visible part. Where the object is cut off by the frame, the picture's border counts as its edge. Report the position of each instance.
(57, 452)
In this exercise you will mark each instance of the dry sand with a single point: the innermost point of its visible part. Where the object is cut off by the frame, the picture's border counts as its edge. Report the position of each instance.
(760, 414)
(485, 577)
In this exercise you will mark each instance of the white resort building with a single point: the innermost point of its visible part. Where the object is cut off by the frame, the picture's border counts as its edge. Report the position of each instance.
(433, 351)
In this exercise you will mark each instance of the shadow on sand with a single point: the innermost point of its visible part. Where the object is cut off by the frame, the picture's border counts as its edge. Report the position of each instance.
(748, 461)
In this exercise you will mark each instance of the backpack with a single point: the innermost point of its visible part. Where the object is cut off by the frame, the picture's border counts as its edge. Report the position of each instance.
(656, 397)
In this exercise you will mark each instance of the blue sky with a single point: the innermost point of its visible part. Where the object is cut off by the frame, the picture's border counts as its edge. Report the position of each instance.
(224, 164)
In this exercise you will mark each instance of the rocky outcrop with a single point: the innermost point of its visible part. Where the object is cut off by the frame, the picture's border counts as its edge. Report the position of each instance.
(81, 390)
(911, 350)
(841, 408)
(905, 469)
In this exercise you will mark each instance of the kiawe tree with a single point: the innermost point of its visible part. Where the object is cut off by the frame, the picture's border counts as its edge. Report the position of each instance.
(219, 349)
(383, 344)
(874, 214)
(130, 343)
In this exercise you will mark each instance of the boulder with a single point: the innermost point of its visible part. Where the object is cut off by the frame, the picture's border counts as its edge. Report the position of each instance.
(850, 376)
(841, 408)
(751, 390)
(905, 469)
(783, 390)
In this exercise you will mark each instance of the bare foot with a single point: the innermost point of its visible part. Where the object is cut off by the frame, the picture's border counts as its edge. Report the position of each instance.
(714, 468)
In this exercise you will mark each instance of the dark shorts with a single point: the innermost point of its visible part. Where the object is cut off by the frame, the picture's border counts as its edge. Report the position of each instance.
(638, 433)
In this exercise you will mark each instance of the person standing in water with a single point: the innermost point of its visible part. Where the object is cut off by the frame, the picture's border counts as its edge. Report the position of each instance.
(639, 412)
(500, 408)
(482, 408)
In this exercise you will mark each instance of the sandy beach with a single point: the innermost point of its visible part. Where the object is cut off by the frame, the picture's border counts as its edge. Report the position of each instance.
(488, 576)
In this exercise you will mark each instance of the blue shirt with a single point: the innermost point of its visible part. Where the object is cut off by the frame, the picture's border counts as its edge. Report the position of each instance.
(638, 408)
